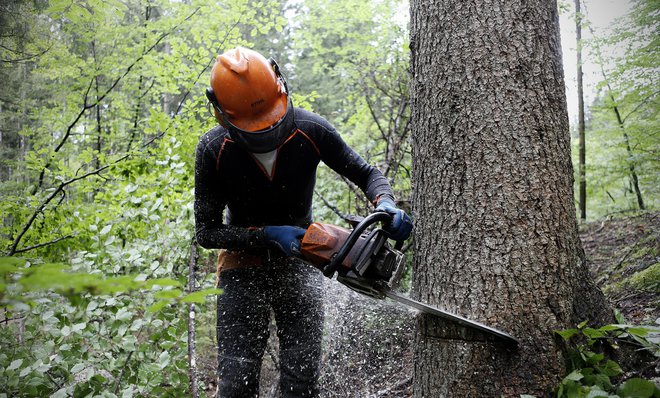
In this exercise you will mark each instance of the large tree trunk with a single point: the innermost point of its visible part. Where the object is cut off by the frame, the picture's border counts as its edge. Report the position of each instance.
(496, 231)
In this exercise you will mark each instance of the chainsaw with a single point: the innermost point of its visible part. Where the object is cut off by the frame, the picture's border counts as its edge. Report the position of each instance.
(364, 261)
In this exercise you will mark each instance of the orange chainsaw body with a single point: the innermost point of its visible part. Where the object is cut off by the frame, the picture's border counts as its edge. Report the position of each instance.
(369, 259)
(322, 241)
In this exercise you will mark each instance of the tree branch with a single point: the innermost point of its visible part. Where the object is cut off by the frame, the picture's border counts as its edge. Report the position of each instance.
(383, 133)
(42, 244)
(27, 57)
(49, 198)
(99, 99)
(332, 207)
(643, 102)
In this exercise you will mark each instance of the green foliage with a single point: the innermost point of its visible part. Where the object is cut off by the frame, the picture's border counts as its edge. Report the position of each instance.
(593, 374)
(100, 125)
(622, 166)
(20, 279)
(102, 108)
(108, 331)
(354, 56)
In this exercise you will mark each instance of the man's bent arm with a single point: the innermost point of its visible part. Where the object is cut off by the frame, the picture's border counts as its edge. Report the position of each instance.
(210, 230)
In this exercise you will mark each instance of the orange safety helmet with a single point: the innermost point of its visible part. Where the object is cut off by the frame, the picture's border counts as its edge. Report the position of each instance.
(250, 98)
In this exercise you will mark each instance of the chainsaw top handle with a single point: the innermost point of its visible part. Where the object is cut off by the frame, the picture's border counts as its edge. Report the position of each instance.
(338, 258)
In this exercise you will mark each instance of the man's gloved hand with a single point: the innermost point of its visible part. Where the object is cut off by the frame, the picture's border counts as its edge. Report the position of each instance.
(284, 237)
(401, 225)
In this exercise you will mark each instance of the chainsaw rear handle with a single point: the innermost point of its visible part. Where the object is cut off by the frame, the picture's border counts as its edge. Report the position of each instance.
(338, 258)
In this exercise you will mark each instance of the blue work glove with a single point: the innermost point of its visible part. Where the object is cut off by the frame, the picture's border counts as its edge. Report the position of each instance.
(284, 237)
(401, 225)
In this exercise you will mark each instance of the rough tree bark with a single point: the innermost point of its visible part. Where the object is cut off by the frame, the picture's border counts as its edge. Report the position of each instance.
(496, 230)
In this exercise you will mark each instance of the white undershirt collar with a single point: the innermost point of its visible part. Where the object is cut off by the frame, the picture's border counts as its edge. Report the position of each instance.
(267, 160)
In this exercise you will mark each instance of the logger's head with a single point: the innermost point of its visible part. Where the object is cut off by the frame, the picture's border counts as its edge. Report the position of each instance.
(250, 98)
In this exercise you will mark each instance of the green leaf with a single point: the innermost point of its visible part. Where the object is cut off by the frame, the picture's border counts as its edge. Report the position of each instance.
(65, 331)
(158, 306)
(61, 393)
(619, 316)
(593, 358)
(596, 392)
(10, 264)
(15, 364)
(609, 328)
(610, 368)
(600, 381)
(638, 331)
(77, 327)
(200, 296)
(92, 305)
(123, 314)
(168, 294)
(637, 388)
(26, 371)
(575, 375)
(593, 333)
(105, 229)
(77, 368)
(573, 389)
(164, 359)
(567, 334)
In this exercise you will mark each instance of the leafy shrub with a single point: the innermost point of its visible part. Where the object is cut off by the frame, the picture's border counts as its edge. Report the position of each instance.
(592, 374)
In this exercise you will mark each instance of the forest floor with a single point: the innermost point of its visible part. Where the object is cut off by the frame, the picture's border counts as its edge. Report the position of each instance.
(368, 344)
(623, 254)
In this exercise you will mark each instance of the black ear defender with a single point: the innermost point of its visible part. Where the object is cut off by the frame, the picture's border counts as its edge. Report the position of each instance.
(210, 95)
(213, 101)
(278, 73)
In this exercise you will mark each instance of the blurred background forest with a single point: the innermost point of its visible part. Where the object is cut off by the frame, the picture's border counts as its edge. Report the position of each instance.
(102, 104)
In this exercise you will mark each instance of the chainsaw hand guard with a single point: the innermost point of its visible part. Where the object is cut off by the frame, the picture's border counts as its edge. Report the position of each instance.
(330, 269)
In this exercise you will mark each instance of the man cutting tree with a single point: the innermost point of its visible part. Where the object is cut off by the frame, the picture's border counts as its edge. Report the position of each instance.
(254, 180)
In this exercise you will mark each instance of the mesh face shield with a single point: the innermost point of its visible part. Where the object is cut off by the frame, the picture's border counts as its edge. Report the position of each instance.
(264, 140)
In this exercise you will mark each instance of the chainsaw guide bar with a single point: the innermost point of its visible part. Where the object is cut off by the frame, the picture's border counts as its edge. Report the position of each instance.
(427, 309)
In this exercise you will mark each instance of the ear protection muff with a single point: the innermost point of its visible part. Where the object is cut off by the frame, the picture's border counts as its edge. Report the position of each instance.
(280, 76)
(213, 101)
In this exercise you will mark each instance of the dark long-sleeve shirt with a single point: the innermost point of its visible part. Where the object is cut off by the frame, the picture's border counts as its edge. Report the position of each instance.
(228, 177)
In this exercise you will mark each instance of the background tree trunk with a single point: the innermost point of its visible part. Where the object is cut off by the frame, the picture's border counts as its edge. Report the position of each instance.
(582, 170)
(496, 230)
